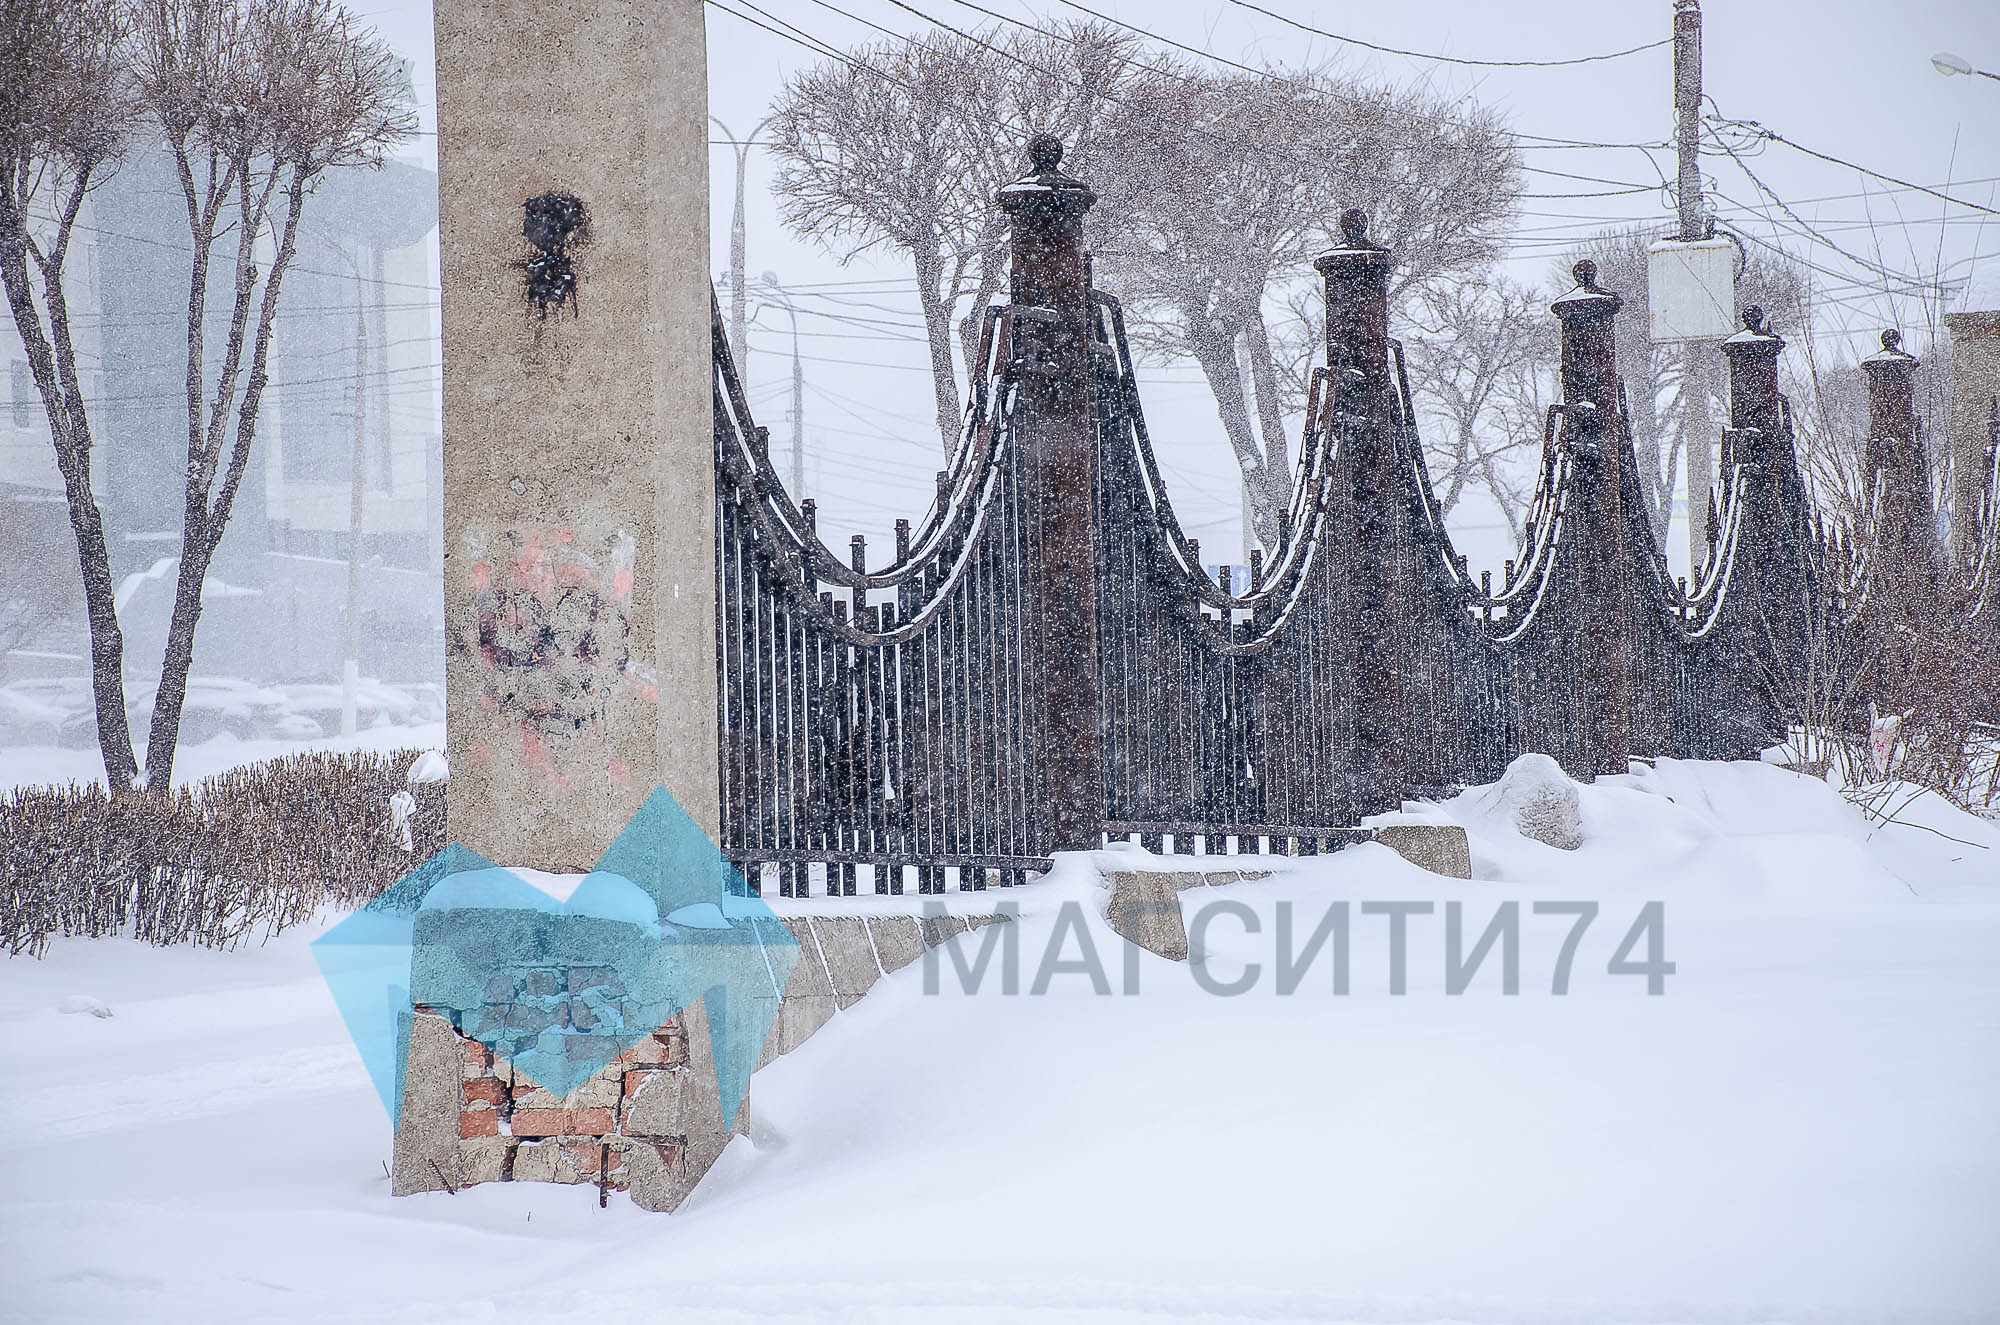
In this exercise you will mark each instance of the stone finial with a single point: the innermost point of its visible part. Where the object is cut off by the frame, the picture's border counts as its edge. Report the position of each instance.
(1355, 247)
(1586, 297)
(1892, 354)
(1047, 187)
(1756, 334)
(1045, 153)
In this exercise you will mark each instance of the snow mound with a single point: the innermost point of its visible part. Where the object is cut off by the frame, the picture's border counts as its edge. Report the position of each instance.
(430, 767)
(1539, 800)
(83, 1003)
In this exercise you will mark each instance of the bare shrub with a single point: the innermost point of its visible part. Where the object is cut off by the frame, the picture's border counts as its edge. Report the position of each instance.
(257, 848)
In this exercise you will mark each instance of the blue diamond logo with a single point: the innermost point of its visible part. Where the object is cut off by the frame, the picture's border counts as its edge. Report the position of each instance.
(561, 985)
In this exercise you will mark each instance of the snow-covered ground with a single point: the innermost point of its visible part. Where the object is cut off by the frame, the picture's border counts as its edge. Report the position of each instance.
(1805, 1126)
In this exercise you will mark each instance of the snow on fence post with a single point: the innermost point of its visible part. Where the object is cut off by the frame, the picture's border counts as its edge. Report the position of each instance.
(1058, 457)
(1593, 435)
(1368, 514)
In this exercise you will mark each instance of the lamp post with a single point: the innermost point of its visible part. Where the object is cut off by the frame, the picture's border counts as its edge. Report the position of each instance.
(1948, 64)
(738, 294)
(782, 300)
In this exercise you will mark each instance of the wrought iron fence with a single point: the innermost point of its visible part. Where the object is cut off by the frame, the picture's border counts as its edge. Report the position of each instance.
(1045, 664)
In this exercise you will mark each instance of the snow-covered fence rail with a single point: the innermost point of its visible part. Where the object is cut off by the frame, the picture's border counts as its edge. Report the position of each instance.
(1046, 663)
(256, 848)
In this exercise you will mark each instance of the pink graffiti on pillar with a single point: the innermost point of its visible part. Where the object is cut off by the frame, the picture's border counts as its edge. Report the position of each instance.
(551, 627)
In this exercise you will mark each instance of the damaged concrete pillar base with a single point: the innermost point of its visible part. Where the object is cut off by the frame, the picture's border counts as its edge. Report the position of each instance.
(427, 1132)
(675, 1124)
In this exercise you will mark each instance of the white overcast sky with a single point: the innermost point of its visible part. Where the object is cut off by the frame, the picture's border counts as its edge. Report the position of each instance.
(1849, 78)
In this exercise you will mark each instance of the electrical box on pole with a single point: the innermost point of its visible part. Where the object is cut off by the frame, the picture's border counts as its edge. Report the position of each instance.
(1690, 279)
(1691, 290)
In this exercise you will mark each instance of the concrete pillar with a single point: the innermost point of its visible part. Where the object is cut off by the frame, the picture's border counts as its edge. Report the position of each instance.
(1975, 421)
(1368, 521)
(579, 533)
(1592, 433)
(1052, 340)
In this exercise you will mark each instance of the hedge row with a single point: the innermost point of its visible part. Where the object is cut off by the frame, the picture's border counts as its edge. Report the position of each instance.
(256, 848)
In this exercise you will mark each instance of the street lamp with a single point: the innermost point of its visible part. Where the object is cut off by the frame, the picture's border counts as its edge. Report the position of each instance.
(782, 300)
(737, 292)
(1948, 64)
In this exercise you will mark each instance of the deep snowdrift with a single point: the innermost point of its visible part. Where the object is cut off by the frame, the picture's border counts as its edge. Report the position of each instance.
(1804, 1126)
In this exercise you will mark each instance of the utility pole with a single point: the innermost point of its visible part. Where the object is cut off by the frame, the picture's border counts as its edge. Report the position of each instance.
(1697, 356)
(350, 668)
(738, 291)
(1687, 113)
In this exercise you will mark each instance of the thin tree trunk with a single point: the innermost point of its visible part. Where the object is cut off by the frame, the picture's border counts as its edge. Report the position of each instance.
(211, 518)
(1215, 351)
(1264, 373)
(992, 275)
(54, 370)
(937, 332)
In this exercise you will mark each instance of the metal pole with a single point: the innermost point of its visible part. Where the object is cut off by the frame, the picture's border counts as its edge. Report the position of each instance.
(350, 668)
(798, 412)
(784, 301)
(739, 293)
(1687, 111)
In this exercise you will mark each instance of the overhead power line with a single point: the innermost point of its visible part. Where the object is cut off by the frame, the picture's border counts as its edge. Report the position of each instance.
(1526, 139)
(1771, 135)
(1453, 59)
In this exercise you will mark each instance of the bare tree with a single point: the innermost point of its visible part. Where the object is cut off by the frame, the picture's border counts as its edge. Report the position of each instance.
(902, 145)
(65, 111)
(1219, 190)
(256, 99)
(1484, 352)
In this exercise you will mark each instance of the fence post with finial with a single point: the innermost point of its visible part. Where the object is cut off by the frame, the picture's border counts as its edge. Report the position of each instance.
(1366, 514)
(1905, 554)
(1777, 534)
(1053, 428)
(1594, 437)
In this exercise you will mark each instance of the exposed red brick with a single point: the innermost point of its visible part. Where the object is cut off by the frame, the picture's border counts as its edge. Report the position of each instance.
(481, 1122)
(486, 1090)
(478, 1055)
(634, 1080)
(649, 1052)
(562, 1122)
